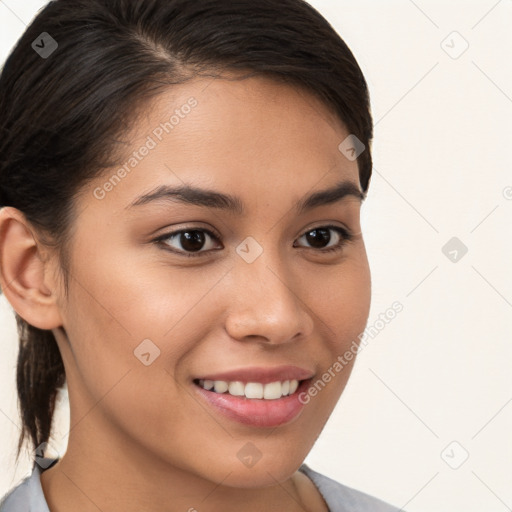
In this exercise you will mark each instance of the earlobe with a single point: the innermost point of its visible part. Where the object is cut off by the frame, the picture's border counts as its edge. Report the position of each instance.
(22, 272)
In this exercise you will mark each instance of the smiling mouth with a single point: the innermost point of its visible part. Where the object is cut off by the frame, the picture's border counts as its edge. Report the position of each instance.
(252, 390)
(270, 403)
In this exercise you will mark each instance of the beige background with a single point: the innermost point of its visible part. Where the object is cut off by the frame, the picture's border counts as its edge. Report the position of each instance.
(440, 371)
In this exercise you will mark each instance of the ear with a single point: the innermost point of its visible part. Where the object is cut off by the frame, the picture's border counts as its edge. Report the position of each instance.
(24, 276)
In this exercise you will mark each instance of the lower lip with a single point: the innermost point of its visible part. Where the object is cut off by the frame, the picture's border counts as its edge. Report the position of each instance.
(256, 412)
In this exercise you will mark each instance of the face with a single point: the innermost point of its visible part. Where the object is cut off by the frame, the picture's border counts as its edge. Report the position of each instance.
(169, 292)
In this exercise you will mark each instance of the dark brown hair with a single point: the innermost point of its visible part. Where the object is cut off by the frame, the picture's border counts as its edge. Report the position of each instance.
(62, 117)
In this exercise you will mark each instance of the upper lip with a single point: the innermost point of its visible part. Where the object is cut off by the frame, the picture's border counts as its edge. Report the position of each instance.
(261, 374)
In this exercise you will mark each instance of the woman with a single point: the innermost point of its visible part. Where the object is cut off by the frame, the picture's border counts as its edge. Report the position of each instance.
(181, 184)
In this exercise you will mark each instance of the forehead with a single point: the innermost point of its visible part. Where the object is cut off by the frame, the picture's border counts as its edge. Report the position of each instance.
(252, 137)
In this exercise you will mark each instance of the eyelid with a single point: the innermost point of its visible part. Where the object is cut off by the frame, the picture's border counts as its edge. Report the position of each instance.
(324, 225)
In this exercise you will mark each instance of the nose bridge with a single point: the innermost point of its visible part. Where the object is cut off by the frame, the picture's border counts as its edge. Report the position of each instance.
(265, 301)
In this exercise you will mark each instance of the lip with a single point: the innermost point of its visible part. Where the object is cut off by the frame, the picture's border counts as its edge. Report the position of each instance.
(261, 374)
(256, 412)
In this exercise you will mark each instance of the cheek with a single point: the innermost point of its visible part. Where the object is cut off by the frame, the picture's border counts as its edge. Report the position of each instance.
(342, 301)
(121, 315)
(108, 380)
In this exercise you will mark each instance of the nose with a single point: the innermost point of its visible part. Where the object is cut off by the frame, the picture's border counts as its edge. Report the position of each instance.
(267, 303)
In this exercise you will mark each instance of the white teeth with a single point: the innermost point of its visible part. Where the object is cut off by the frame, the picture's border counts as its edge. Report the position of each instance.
(254, 390)
(236, 388)
(220, 386)
(270, 391)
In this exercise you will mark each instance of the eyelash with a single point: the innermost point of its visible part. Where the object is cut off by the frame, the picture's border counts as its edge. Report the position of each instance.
(346, 237)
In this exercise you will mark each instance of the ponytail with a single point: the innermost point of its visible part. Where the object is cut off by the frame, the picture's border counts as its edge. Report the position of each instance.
(39, 376)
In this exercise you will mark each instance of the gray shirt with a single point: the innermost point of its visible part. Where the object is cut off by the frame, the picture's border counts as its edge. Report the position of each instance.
(28, 495)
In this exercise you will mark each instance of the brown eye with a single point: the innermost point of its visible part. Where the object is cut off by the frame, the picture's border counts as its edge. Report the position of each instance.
(188, 241)
(319, 238)
(192, 240)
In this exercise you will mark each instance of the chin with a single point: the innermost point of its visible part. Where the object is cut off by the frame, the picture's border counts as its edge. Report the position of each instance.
(262, 474)
(269, 470)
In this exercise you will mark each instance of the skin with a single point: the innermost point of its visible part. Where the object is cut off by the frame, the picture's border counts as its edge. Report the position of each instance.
(139, 438)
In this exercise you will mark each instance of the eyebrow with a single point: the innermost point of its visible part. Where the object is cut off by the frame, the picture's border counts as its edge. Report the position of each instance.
(213, 199)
